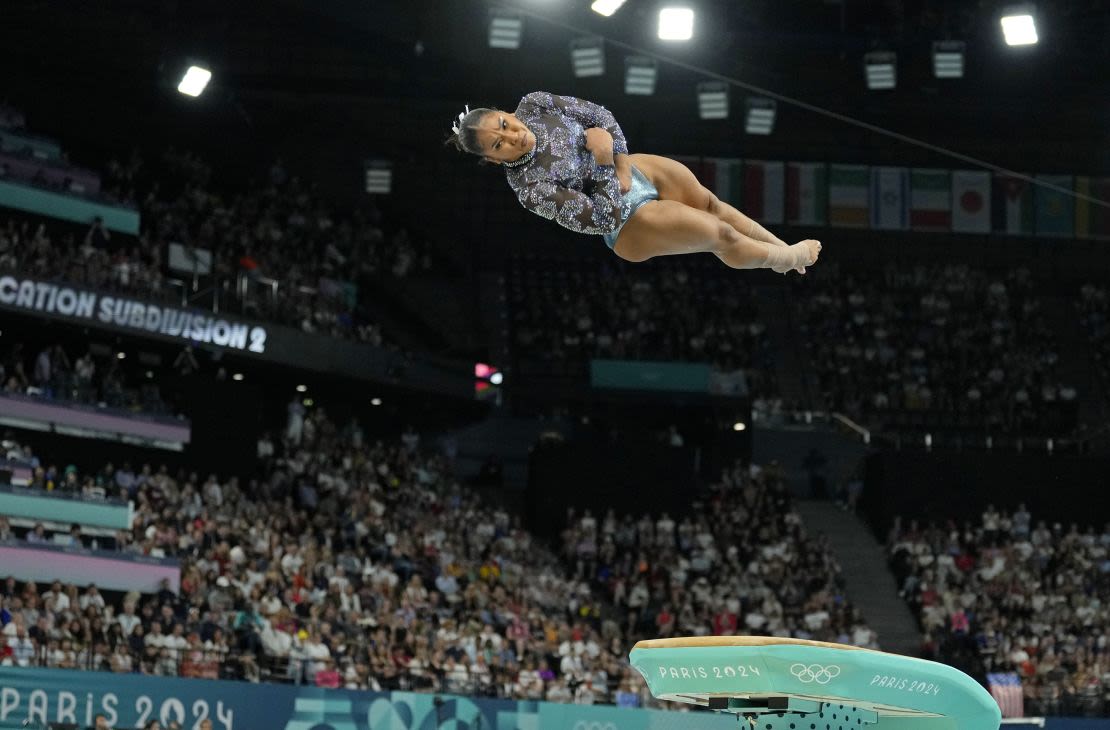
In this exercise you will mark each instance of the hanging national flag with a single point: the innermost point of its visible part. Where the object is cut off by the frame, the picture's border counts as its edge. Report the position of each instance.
(729, 179)
(1006, 690)
(890, 198)
(971, 194)
(848, 195)
(1013, 206)
(1092, 220)
(807, 193)
(763, 191)
(1055, 208)
(930, 200)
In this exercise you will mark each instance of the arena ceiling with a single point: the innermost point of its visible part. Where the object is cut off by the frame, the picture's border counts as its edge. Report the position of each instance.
(430, 56)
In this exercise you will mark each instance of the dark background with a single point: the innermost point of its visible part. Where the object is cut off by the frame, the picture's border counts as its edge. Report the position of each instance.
(330, 84)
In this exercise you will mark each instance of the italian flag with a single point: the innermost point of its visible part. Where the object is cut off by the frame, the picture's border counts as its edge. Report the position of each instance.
(763, 191)
(807, 193)
(930, 200)
(971, 195)
(848, 195)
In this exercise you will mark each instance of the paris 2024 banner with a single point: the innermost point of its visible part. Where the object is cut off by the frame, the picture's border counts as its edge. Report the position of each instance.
(132, 700)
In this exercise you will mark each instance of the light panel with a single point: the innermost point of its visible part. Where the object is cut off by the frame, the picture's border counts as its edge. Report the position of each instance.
(606, 7)
(640, 73)
(194, 81)
(379, 177)
(880, 70)
(676, 24)
(1019, 29)
(760, 118)
(587, 56)
(948, 59)
(713, 100)
(505, 29)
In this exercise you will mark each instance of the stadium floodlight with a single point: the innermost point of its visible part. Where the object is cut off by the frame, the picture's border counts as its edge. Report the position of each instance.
(379, 177)
(1019, 27)
(880, 68)
(587, 55)
(505, 29)
(194, 81)
(639, 75)
(713, 100)
(948, 59)
(761, 116)
(676, 24)
(606, 7)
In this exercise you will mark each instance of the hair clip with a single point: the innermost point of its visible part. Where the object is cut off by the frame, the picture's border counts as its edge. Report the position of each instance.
(456, 128)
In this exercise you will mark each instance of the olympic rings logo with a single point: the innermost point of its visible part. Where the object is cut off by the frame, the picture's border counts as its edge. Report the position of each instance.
(814, 673)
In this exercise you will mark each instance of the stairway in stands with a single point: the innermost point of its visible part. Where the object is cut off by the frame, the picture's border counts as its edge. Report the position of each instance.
(869, 583)
(1076, 365)
(507, 439)
(791, 358)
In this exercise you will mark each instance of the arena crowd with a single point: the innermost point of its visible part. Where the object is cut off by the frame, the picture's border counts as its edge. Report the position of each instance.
(366, 565)
(1009, 592)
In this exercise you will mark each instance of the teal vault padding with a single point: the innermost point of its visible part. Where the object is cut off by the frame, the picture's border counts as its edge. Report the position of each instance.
(795, 685)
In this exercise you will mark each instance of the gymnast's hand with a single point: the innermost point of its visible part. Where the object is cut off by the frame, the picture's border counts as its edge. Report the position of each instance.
(600, 144)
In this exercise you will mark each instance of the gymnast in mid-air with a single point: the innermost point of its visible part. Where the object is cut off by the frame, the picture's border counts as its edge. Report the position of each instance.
(567, 160)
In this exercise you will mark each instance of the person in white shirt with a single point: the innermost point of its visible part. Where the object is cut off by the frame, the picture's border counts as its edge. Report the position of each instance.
(128, 620)
(91, 597)
(176, 640)
(584, 694)
(317, 653)
(23, 649)
(455, 674)
(155, 637)
(61, 600)
(276, 643)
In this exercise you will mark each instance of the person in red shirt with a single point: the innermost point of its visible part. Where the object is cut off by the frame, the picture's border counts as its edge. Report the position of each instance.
(725, 623)
(664, 621)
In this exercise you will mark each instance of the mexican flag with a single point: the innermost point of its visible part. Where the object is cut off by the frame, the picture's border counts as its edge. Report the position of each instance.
(848, 195)
(1013, 205)
(930, 200)
(1092, 220)
(807, 193)
(1055, 209)
(729, 179)
(763, 191)
(890, 188)
(971, 194)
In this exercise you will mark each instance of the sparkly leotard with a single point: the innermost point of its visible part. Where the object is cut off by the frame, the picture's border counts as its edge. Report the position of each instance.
(559, 179)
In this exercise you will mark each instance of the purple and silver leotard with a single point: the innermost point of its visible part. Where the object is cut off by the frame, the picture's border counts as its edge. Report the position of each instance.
(559, 179)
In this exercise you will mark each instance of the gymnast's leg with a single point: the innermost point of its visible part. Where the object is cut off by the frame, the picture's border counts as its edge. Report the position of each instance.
(675, 181)
(668, 227)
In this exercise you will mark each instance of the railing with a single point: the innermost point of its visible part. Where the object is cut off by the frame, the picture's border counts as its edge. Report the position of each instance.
(921, 437)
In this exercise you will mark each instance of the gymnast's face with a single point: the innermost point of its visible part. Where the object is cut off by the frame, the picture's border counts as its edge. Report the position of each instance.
(504, 138)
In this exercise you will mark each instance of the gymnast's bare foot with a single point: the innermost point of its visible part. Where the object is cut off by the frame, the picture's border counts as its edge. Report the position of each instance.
(813, 250)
